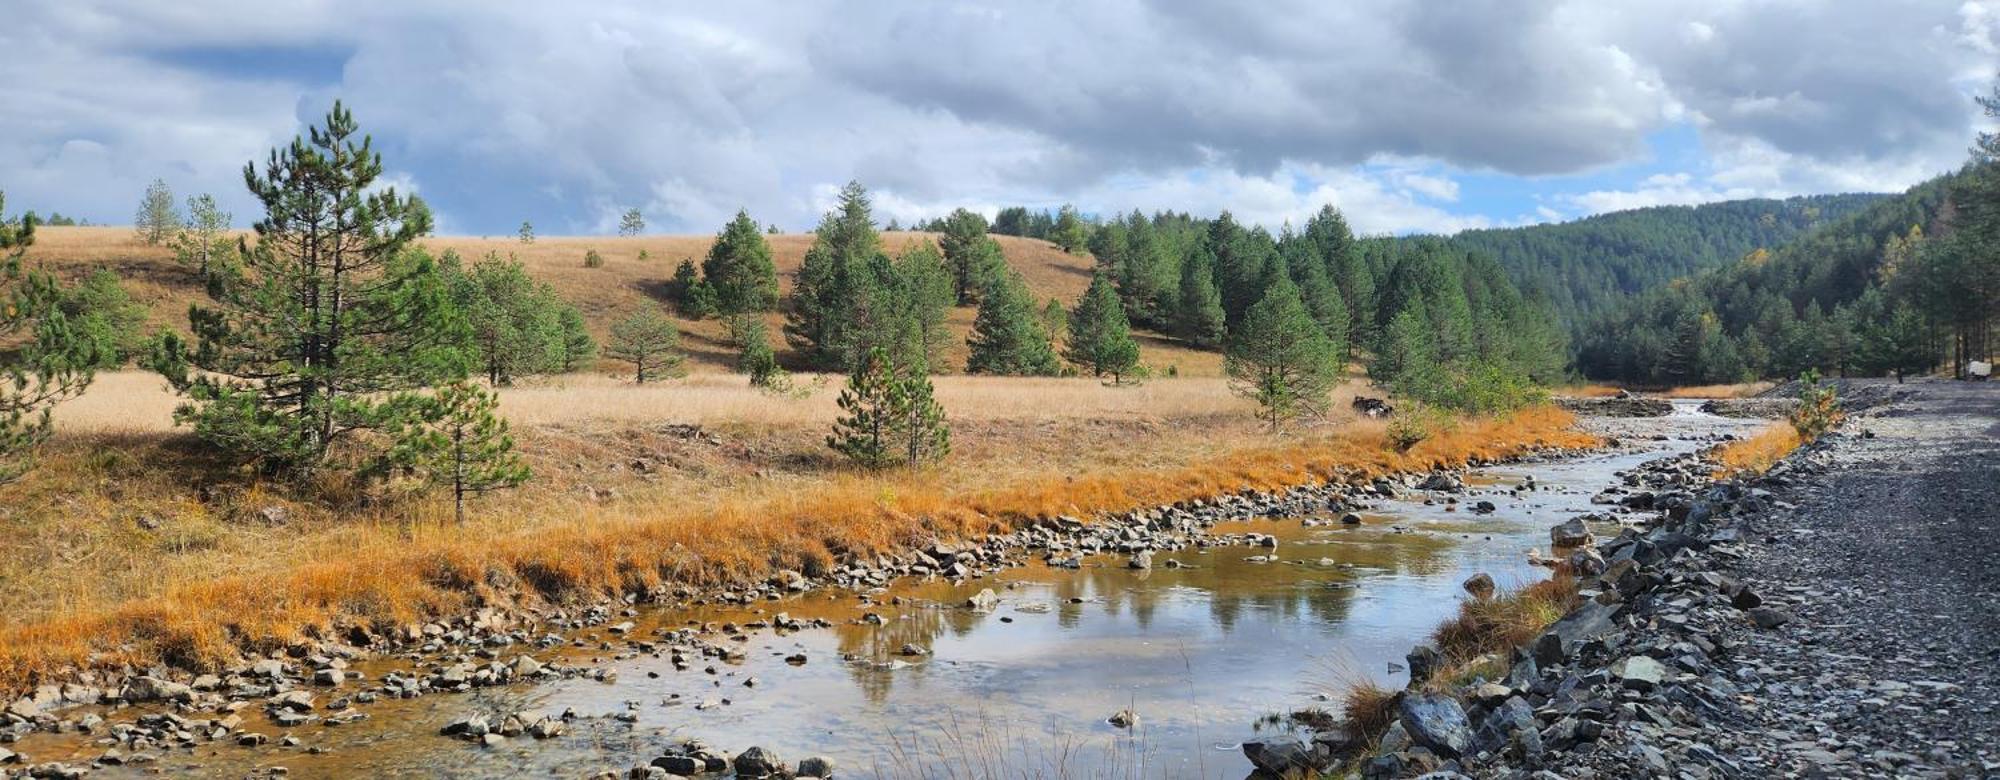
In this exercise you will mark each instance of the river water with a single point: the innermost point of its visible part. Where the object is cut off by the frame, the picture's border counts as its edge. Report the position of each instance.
(1199, 653)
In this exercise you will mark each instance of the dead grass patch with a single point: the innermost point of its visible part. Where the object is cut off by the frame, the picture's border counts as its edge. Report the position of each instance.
(267, 586)
(1758, 452)
(621, 286)
(1741, 390)
(1497, 625)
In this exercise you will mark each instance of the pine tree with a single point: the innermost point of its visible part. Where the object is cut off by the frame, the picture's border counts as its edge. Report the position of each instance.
(915, 303)
(971, 255)
(1070, 232)
(53, 361)
(1007, 338)
(832, 317)
(632, 223)
(890, 416)
(337, 314)
(757, 358)
(681, 285)
(740, 270)
(454, 438)
(514, 323)
(157, 220)
(205, 237)
(1146, 275)
(1198, 318)
(574, 346)
(1100, 338)
(649, 341)
(527, 232)
(103, 320)
(1281, 359)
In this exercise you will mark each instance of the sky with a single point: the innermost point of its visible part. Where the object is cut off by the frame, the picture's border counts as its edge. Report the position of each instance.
(1408, 116)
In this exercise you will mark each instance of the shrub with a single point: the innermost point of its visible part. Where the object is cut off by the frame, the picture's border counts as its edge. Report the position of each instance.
(1819, 407)
(592, 259)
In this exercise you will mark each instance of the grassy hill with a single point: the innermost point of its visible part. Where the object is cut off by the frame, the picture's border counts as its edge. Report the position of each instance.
(604, 294)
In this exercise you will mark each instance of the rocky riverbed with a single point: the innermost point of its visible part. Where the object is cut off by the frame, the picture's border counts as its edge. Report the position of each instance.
(1133, 633)
(1834, 618)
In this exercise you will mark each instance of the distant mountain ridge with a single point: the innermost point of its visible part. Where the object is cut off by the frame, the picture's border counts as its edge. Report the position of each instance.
(1594, 263)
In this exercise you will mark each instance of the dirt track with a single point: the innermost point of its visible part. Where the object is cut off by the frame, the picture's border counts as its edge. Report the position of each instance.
(1890, 561)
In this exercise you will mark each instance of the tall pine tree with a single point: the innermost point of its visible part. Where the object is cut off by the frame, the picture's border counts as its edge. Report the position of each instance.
(739, 269)
(1281, 359)
(1100, 338)
(1007, 336)
(335, 315)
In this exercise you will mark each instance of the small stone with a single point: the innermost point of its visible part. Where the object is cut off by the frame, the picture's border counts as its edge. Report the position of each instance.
(1639, 673)
(1479, 585)
(816, 766)
(758, 762)
(1769, 617)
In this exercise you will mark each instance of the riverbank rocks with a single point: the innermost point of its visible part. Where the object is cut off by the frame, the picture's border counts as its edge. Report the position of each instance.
(758, 762)
(1627, 406)
(1570, 533)
(1435, 722)
(1638, 679)
(1288, 757)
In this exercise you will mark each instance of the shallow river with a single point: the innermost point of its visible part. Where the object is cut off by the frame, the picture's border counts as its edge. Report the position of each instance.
(1200, 653)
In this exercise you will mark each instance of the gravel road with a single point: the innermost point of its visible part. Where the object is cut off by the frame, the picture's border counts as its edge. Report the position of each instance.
(1889, 559)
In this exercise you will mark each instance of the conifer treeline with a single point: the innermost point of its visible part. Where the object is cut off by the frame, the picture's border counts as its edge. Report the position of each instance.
(1905, 285)
(1587, 265)
(1467, 335)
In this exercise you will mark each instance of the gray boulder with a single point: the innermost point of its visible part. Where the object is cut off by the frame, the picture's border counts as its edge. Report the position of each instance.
(1571, 533)
(816, 766)
(1287, 758)
(758, 762)
(1436, 722)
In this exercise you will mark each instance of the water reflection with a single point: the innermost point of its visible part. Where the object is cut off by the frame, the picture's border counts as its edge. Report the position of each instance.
(1199, 651)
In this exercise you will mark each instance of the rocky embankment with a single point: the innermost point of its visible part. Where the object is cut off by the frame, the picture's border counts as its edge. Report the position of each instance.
(142, 716)
(1834, 617)
(1626, 405)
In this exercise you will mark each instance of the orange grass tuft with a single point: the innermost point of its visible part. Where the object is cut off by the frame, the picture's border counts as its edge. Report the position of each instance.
(1757, 453)
(388, 575)
(1506, 621)
(1743, 390)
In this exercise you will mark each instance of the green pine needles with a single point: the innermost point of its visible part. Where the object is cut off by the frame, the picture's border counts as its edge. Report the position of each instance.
(55, 357)
(1280, 358)
(1100, 338)
(454, 439)
(331, 316)
(889, 417)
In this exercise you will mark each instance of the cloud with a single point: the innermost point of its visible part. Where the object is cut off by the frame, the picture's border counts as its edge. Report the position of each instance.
(567, 115)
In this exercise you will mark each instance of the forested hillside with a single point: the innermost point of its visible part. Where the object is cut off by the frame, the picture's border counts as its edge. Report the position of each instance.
(1582, 267)
(1900, 286)
(1438, 322)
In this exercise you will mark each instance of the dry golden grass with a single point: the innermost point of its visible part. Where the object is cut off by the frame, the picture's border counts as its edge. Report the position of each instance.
(1369, 709)
(1757, 453)
(1497, 625)
(1741, 390)
(1589, 391)
(621, 286)
(616, 507)
(140, 402)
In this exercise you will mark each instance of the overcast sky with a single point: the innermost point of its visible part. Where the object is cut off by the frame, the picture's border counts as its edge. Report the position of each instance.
(1409, 116)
